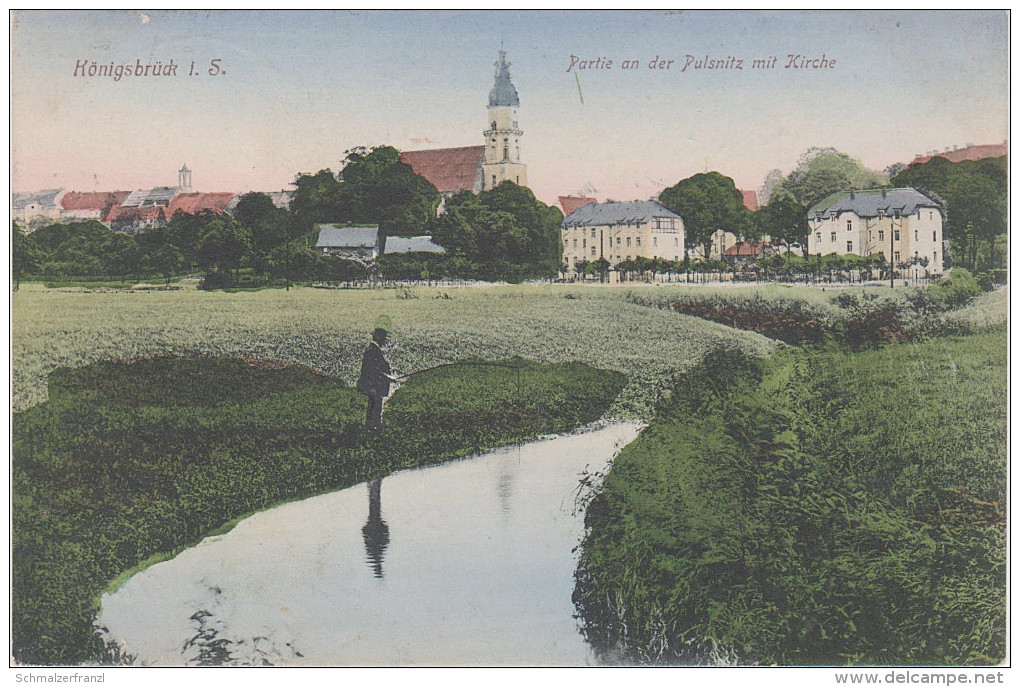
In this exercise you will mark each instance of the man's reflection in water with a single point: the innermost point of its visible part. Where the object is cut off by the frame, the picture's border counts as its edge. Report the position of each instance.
(376, 532)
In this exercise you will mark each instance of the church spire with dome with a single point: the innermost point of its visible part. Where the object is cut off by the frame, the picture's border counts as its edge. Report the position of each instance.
(502, 161)
(503, 93)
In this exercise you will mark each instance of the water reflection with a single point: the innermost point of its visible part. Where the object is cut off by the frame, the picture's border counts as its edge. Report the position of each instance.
(376, 532)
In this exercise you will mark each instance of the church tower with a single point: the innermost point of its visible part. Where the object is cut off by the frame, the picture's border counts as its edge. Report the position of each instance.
(502, 160)
(184, 178)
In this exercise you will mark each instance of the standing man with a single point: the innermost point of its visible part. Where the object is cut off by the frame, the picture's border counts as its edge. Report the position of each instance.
(375, 379)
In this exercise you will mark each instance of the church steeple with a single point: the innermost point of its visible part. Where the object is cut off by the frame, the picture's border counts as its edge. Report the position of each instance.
(502, 161)
(503, 93)
(184, 178)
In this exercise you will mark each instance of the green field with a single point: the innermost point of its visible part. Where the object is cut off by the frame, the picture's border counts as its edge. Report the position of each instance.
(327, 330)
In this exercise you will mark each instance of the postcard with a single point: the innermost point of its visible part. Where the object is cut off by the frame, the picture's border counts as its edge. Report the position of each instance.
(509, 338)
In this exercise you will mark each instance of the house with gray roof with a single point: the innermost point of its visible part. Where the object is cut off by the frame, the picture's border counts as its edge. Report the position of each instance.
(35, 208)
(903, 224)
(362, 243)
(616, 232)
(414, 244)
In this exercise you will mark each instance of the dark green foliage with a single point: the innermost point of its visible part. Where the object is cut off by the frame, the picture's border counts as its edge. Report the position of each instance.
(790, 321)
(707, 202)
(505, 233)
(821, 507)
(975, 193)
(128, 460)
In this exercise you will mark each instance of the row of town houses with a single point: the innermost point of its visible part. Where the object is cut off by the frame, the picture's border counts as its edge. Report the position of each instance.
(902, 224)
(126, 211)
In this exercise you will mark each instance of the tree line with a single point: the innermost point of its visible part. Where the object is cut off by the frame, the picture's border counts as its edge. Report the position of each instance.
(504, 233)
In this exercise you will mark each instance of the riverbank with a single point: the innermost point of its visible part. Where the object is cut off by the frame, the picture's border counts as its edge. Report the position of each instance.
(822, 507)
(128, 461)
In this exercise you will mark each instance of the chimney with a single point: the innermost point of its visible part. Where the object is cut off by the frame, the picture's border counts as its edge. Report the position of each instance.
(956, 148)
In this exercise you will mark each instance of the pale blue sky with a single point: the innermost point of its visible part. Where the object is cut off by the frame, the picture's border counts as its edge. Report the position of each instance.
(300, 88)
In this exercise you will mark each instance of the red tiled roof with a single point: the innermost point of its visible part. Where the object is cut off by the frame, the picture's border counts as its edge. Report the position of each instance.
(571, 203)
(448, 169)
(194, 203)
(750, 199)
(969, 153)
(75, 200)
(149, 212)
(745, 248)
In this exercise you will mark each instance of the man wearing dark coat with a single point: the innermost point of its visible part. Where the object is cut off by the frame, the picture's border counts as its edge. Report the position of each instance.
(375, 379)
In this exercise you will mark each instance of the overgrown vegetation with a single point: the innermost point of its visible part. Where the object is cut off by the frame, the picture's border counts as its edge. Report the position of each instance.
(821, 507)
(128, 460)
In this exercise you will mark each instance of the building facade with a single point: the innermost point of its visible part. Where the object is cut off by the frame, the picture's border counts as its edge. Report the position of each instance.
(902, 224)
(616, 232)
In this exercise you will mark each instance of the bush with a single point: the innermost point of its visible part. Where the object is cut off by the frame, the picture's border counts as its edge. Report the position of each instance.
(992, 278)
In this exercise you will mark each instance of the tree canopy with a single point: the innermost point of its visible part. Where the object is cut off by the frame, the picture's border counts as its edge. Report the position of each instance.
(707, 202)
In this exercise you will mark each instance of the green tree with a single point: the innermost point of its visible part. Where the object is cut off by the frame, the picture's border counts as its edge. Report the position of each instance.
(784, 219)
(24, 255)
(166, 260)
(706, 202)
(264, 222)
(223, 248)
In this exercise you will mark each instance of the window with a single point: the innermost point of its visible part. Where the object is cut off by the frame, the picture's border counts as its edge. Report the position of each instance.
(655, 242)
(881, 235)
(637, 241)
(676, 242)
(896, 214)
(493, 179)
(818, 236)
(593, 232)
(584, 243)
(575, 243)
(931, 215)
(506, 153)
(849, 225)
(593, 251)
(849, 246)
(896, 235)
(933, 238)
(881, 214)
(915, 255)
(915, 234)
(628, 244)
(832, 237)
(494, 128)
(896, 256)
(935, 256)
(676, 257)
(618, 240)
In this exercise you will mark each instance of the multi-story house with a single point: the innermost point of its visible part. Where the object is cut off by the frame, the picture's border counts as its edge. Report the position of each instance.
(902, 224)
(617, 232)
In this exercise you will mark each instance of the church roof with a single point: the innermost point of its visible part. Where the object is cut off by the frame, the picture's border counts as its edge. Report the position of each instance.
(750, 199)
(448, 169)
(571, 203)
(503, 93)
(194, 203)
(611, 212)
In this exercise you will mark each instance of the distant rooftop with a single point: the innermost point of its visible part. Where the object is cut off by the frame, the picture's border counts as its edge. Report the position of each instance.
(448, 169)
(571, 203)
(969, 152)
(611, 212)
(340, 236)
(869, 203)
(414, 244)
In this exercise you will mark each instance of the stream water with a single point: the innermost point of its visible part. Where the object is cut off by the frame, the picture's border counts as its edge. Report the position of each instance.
(466, 563)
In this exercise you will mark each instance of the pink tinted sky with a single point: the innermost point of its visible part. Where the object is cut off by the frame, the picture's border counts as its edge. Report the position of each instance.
(301, 88)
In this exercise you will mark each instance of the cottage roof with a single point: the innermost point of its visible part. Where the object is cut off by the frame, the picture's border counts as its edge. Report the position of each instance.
(869, 203)
(340, 236)
(597, 214)
(571, 203)
(503, 93)
(194, 203)
(745, 248)
(101, 200)
(135, 213)
(414, 244)
(448, 169)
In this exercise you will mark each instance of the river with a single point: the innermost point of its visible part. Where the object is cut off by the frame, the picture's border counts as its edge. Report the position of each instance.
(466, 563)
